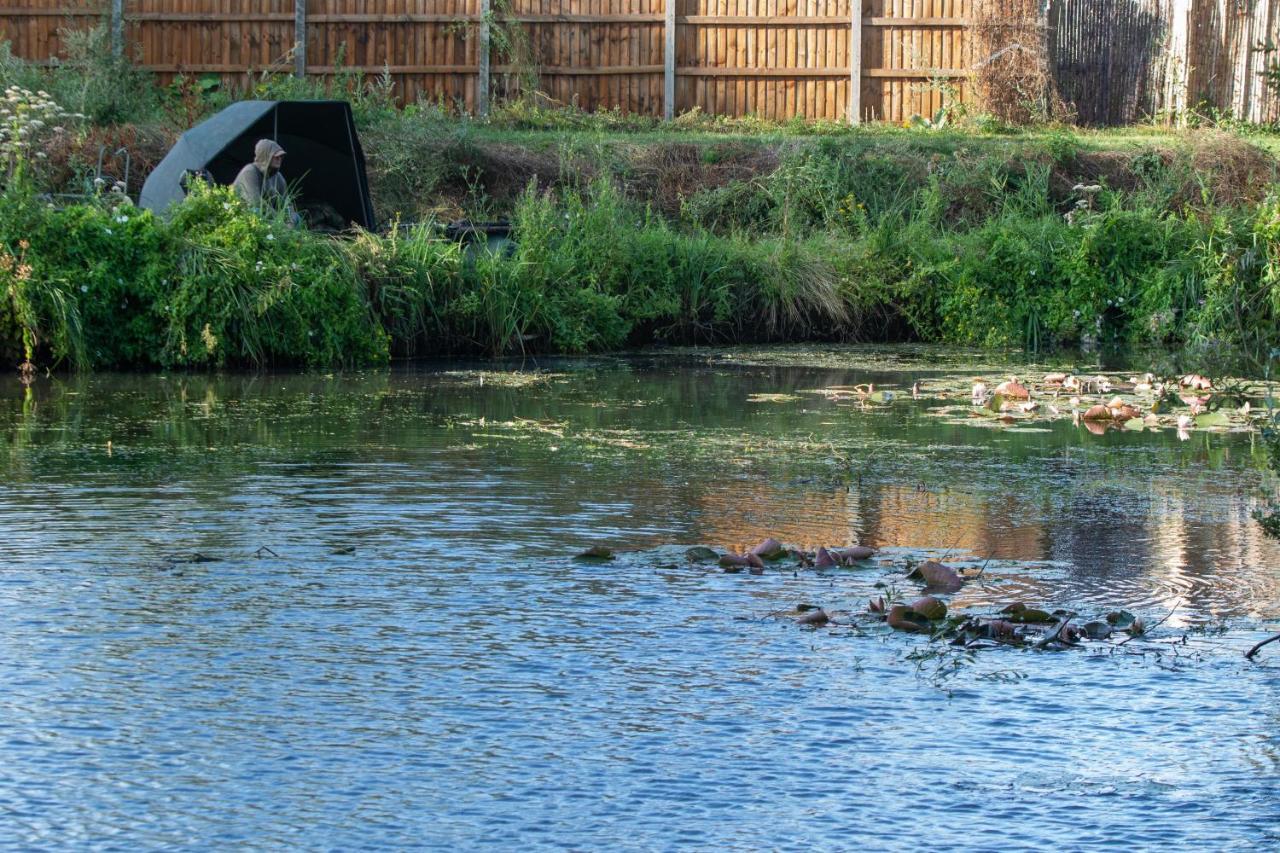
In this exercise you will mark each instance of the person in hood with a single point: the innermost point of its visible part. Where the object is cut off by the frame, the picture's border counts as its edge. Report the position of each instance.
(261, 184)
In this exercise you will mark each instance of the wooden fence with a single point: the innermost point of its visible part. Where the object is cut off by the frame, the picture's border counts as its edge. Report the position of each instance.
(1115, 61)
(832, 59)
(1118, 61)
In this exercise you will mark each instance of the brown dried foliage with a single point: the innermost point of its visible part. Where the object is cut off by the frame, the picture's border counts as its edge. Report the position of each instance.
(1012, 79)
(666, 174)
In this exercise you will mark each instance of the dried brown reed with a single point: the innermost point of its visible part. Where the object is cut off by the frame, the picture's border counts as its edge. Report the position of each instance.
(1012, 80)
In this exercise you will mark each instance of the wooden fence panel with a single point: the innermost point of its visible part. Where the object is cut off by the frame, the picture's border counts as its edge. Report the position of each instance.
(771, 58)
(1110, 57)
(429, 48)
(1227, 59)
(31, 26)
(596, 54)
(230, 38)
(915, 57)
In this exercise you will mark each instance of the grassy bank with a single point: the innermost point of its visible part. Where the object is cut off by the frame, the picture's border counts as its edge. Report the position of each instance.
(632, 232)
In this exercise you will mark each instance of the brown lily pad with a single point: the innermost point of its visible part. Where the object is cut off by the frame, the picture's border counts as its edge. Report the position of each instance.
(769, 549)
(903, 618)
(930, 608)
(936, 576)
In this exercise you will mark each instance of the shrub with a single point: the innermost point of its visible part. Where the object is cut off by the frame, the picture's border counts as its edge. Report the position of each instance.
(251, 289)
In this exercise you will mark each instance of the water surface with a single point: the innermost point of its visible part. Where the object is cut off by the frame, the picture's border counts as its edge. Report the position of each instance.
(389, 643)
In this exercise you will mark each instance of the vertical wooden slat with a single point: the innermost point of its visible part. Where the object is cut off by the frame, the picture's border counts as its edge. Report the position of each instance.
(117, 28)
(300, 38)
(855, 61)
(482, 60)
(669, 60)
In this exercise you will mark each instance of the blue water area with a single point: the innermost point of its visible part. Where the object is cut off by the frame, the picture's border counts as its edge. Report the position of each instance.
(343, 612)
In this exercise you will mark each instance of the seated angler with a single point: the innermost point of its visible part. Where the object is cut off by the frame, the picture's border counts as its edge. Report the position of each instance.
(261, 184)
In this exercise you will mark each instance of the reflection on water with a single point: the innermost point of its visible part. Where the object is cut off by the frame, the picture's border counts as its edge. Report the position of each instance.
(391, 648)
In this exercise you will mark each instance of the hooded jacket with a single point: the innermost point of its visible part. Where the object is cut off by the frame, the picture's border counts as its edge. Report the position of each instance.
(258, 184)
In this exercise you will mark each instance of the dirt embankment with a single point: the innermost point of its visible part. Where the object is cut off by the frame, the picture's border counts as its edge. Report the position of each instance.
(450, 173)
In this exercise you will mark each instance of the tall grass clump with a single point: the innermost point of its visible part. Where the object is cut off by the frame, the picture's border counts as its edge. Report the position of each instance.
(411, 277)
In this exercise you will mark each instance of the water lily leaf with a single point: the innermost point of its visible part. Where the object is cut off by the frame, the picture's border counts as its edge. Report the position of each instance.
(1097, 630)
(1097, 413)
(755, 563)
(937, 576)
(1120, 619)
(930, 608)
(816, 617)
(769, 549)
(1212, 419)
(999, 629)
(903, 618)
(596, 552)
(996, 403)
(1135, 424)
(1013, 389)
(701, 554)
(734, 560)
(856, 553)
(823, 559)
(1031, 615)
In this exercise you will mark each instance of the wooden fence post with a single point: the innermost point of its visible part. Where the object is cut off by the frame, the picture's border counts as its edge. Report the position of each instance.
(117, 28)
(299, 38)
(482, 83)
(855, 61)
(669, 61)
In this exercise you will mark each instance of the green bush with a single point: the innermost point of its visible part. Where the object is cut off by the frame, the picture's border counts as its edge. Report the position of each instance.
(251, 289)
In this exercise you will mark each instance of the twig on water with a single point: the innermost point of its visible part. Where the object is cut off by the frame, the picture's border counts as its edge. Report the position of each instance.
(1253, 651)
(1056, 635)
(264, 550)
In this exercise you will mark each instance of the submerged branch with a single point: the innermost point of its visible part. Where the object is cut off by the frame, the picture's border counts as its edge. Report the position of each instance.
(1253, 651)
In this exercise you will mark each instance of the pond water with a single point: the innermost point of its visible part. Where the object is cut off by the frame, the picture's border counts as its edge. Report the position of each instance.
(342, 612)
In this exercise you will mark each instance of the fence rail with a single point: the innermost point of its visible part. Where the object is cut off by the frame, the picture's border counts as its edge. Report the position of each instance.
(1115, 61)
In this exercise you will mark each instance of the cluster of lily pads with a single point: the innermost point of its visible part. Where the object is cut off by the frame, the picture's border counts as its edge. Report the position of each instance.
(1097, 402)
(1015, 624)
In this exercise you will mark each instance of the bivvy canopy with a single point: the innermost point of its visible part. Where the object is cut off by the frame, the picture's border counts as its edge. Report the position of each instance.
(324, 164)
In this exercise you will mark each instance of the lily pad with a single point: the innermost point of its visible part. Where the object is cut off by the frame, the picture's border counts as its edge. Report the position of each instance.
(769, 549)
(596, 552)
(930, 608)
(1121, 619)
(816, 618)
(903, 618)
(936, 576)
(1209, 420)
(1097, 630)
(701, 554)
